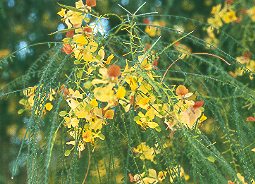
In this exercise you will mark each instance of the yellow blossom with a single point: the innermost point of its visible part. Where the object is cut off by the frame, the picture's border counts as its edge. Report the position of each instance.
(92, 46)
(73, 103)
(48, 106)
(215, 22)
(4, 52)
(81, 114)
(87, 136)
(121, 92)
(75, 94)
(109, 59)
(87, 55)
(62, 12)
(94, 103)
(251, 13)
(71, 122)
(132, 82)
(229, 16)
(142, 102)
(79, 4)
(145, 152)
(216, 9)
(104, 94)
(80, 39)
(109, 114)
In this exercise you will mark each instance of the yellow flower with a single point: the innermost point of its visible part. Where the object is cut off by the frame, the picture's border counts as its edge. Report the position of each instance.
(75, 18)
(62, 12)
(145, 152)
(151, 178)
(87, 136)
(109, 114)
(79, 4)
(121, 92)
(75, 94)
(161, 175)
(109, 59)
(80, 39)
(146, 120)
(142, 102)
(241, 178)
(190, 116)
(229, 16)
(87, 55)
(81, 114)
(92, 46)
(216, 9)
(97, 124)
(151, 31)
(202, 118)
(251, 13)
(132, 82)
(104, 94)
(94, 103)
(144, 63)
(73, 103)
(184, 50)
(71, 122)
(215, 22)
(48, 106)
(154, 30)
(4, 52)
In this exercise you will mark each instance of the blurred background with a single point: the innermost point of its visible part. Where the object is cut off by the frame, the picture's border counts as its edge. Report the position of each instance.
(26, 22)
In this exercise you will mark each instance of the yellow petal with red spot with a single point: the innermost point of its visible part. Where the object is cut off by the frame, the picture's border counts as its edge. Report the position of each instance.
(109, 114)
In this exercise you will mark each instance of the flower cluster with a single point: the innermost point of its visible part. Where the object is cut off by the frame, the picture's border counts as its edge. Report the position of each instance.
(152, 176)
(104, 89)
(146, 153)
(153, 27)
(220, 16)
(29, 100)
(247, 64)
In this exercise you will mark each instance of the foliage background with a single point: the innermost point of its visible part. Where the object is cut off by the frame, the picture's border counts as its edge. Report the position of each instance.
(25, 22)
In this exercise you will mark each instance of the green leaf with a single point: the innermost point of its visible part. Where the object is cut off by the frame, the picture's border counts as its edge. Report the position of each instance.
(158, 129)
(211, 159)
(62, 113)
(137, 118)
(76, 62)
(87, 85)
(21, 111)
(67, 153)
(101, 136)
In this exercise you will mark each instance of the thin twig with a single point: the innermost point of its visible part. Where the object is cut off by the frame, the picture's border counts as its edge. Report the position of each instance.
(168, 69)
(143, 14)
(125, 9)
(87, 172)
(167, 47)
(139, 8)
(209, 54)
